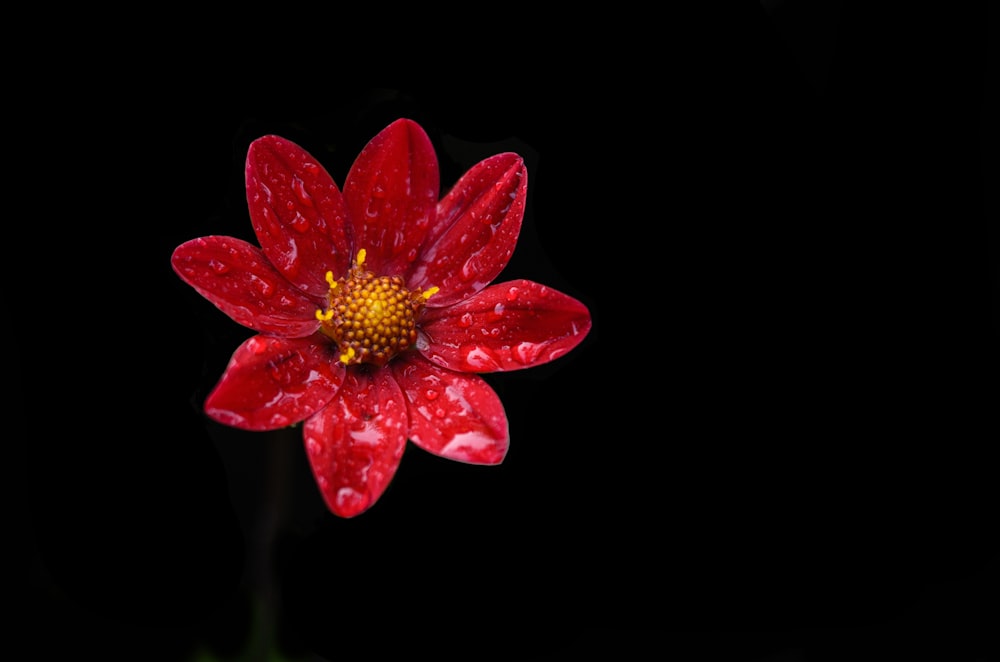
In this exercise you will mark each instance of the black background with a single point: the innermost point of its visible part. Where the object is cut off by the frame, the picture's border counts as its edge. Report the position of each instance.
(772, 445)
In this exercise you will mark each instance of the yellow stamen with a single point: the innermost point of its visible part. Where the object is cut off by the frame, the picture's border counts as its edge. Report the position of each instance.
(346, 357)
(429, 292)
(330, 280)
(361, 257)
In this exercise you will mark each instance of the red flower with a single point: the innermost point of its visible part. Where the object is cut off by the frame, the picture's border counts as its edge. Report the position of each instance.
(374, 308)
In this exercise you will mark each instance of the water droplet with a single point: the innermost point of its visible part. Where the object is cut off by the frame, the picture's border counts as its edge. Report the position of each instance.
(439, 412)
(497, 312)
(300, 191)
(512, 293)
(300, 223)
(378, 191)
(218, 266)
(465, 321)
(431, 394)
(256, 345)
(350, 500)
(310, 167)
(480, 358)
(526, 352)
(280, 420)
(265, 287)
(269, 217)
(265, 189)
(468, 271)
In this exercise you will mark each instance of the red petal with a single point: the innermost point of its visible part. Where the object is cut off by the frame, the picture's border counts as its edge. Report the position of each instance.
(507, 326)
(452, 415)
(297, 212)
(274, 382)
(238, 279)
(477, 227)
(355, 444)
(391, 193)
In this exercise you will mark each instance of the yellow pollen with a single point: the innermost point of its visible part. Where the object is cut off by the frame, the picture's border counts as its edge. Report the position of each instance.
(346, 357)
(371, 318)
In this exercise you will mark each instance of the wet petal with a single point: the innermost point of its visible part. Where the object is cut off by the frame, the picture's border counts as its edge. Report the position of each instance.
(391, 193)
(453, 415)
(477, 226)
(236, 277)
(355, 444)
(297, 212)
(507, 326)
(274, 382)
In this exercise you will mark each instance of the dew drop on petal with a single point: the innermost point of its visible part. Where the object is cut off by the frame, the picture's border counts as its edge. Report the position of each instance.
(218, 266)
(431, 394)
(350, 500)
(269, 217)
(512, 293)
(300, 224)
(468, 271)
(267, 191)
(526, 352)
(300, 192)
(265, 287)
(465, 321)
(479, 358)
(280, 420)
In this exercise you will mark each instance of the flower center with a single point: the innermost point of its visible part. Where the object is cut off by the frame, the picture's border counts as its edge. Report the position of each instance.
(371, 318)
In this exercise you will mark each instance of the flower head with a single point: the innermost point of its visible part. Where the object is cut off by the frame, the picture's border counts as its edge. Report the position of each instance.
(375, 308)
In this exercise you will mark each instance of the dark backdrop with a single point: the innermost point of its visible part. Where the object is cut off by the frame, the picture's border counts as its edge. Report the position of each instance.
(770, 446)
